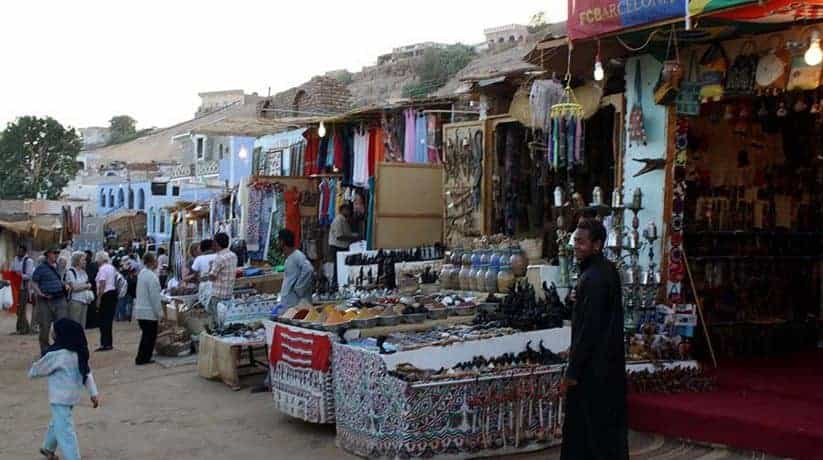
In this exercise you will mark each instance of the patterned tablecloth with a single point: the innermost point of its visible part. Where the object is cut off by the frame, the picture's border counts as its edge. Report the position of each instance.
(381, 416)
(301, 376)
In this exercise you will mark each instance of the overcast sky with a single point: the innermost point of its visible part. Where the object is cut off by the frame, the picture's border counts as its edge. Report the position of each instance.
(84, 61)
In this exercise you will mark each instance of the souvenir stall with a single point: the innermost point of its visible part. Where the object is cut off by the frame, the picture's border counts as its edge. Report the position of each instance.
(726, 110)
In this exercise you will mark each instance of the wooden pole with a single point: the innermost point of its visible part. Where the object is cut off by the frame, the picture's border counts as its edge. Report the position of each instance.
(699, 308)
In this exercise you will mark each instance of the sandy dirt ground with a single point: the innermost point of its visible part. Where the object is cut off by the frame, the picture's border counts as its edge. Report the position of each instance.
(168, 412)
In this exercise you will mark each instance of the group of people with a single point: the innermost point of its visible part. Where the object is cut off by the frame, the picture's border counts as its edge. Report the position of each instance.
(62, 300)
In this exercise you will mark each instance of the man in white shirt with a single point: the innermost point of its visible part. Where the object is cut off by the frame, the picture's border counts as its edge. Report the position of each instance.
(24, 265)
(202, 264)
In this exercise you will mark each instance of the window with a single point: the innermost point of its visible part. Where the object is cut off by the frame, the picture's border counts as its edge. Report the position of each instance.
(141, 199)
(151, 220)
(131, 198)
(175, 190)
(102, 198)
(159, 188)
(162, 221)
(121, 198)
(200, 147)
(111, 198)
(220, 152)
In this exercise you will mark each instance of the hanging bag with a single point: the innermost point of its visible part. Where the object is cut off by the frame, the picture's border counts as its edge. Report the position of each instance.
(688, 98)
(740, 80)
(666, 89)
(713, 67)
(772, 72)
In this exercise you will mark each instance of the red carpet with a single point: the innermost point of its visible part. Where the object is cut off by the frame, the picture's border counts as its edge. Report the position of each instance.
(770, 405)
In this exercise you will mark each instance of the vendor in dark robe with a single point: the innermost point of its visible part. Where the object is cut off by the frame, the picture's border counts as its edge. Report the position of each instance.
(595, 425)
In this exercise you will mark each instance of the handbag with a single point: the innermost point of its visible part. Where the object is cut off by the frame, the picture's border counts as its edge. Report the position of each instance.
(688, 98)
(668, 84)
(803, 76)
(740, 80)
(772, 72)
(713, 67)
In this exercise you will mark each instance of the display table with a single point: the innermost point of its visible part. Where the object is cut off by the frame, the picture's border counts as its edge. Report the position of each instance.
(382, 416)
(220, 358)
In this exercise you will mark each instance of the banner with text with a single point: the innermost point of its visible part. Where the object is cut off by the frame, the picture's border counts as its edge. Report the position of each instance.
(590, 18)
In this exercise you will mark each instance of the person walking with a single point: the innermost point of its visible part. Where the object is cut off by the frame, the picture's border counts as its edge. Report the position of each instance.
(81, 289)
(148, 309)
(24, 266)
(107, 296)
(162, 267)
(595, 425)
(66, 364)
(91, 271)
(50, 292)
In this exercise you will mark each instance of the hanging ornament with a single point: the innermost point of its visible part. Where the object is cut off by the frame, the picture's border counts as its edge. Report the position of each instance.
(566, 126)
(637, 130)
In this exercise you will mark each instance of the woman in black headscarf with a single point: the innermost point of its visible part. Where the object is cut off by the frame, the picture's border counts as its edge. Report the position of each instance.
(66, 364)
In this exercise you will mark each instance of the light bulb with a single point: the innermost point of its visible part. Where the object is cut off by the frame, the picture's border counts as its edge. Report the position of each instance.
(814, 55)
(598, 71)
(321, 130)
(243, 154)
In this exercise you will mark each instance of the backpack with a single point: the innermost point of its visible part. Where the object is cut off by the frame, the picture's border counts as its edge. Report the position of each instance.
(121, 285)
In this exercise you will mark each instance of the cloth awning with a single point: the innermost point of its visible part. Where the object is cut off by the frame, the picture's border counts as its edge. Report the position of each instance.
(591, 18)
(776, 11)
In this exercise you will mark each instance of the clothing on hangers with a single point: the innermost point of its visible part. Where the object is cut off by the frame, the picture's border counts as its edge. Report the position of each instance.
(409, 153)
(325, 197)
(421, 150)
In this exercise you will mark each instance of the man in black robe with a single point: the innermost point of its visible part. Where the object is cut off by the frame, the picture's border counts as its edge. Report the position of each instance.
(595, 425)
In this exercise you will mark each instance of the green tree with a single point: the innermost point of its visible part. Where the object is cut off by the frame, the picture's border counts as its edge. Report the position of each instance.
(38, 157)
(437, 67)
(123, 129)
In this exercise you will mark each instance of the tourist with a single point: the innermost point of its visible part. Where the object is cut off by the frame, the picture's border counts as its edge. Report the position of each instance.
(162, 267)
(24, 266)
(66, 364)
(81, 289)
(223, 272)
(298, 276)
(50, 291)
(128, 270)
(341, 235)
(107, 296)
(91, 271)
(595, 425)
(202, 263)
(190, 275)
(147, 309)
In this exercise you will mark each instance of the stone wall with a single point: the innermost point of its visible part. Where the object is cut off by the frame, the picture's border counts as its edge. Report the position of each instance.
(320, 95)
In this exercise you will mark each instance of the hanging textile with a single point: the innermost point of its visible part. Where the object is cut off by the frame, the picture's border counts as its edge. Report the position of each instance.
(348, 156)
(278, 222)
(292, 199)
(310, 154)
(370, 217)
(267, 205)
(371, 157)
(543, 95)
(409, 153)
(380, 148)
(360, 166)
(325, 198)
(421, 153)
(339, 152)
(253, 221)
(330, 206)
(433, 129)
(330, 150)
(321, 155)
